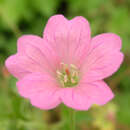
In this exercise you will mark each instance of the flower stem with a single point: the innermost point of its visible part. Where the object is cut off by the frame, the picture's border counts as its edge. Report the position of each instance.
(72, 120)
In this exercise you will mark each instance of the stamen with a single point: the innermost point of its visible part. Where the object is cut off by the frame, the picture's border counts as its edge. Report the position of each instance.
(73, 66)
(74, 73)
(72, 80)
(59, 73)
(65, 78)
(68, 76)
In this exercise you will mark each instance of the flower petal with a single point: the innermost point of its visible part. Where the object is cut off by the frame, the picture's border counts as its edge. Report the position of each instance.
(104, 58)
(20, 65)
(42, 90)
(85, 95)
(69, 38)
(34, 55)
(75, 98)
(99, 92)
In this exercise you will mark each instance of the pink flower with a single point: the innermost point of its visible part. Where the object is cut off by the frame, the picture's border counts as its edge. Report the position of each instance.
(66, 65)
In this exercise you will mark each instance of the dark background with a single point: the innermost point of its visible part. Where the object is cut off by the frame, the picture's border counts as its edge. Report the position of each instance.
(18, 17)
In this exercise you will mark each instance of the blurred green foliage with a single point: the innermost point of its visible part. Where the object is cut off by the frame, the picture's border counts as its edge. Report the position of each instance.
(19, 17)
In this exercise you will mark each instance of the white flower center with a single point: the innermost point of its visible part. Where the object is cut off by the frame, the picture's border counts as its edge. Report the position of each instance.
(68, 75)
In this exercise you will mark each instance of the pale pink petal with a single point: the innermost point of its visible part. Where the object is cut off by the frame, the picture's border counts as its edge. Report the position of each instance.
(112, 40)
(20, 65)
(38, 49)
(34, 55)
(69, 38)
(85, 95)
(99, 92)
(42, 90)
(75, 98)
(104, 58)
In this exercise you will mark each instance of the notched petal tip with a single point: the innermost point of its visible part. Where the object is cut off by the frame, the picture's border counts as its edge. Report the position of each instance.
(80, 19)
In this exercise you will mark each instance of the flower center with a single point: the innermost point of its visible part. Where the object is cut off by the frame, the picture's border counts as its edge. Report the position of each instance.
(68, 75)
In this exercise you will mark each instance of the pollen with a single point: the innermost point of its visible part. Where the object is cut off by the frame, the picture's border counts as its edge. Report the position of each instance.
(68, 75)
